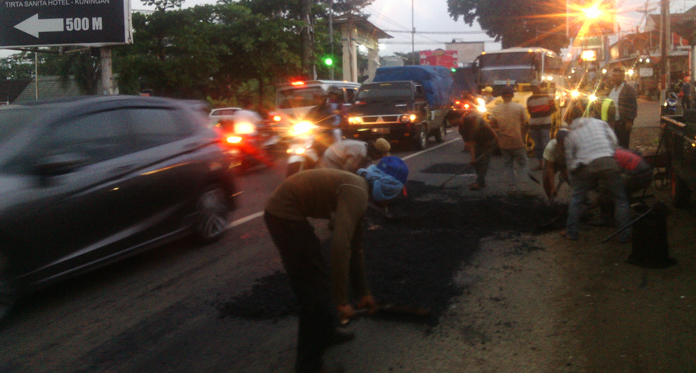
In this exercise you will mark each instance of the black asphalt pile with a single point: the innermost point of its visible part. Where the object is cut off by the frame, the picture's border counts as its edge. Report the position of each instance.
(413, 256)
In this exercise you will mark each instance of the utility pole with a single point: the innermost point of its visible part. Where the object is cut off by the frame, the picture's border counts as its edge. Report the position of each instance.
(36, 71)
(107, 78)
(664, 10)
(668, 36)
(413, 35)
(306, 38)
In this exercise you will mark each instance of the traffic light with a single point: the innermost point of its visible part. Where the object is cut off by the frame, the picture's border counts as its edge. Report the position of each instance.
(328, 61)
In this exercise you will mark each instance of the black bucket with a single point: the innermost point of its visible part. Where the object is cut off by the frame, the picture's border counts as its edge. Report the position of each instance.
(649, 240)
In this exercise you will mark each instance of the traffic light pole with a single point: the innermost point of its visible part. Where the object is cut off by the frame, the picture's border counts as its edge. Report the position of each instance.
(331, 68)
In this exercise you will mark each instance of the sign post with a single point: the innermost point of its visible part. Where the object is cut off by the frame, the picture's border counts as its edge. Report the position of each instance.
(42, 23)
(45, 23)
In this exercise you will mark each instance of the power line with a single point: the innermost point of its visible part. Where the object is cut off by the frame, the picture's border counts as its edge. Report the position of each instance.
(439, 32)
(434, 42)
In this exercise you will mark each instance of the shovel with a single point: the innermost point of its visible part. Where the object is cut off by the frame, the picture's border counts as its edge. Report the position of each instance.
(467, 167)
(553, 221)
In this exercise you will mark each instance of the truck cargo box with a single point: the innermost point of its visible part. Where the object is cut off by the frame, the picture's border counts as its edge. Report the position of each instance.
(436, 80)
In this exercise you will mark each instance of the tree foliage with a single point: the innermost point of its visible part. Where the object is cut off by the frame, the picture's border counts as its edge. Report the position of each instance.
(16, 67)
(232, 51)
(516, 23)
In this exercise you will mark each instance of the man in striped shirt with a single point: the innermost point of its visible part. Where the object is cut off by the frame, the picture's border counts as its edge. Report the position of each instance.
(589, 151)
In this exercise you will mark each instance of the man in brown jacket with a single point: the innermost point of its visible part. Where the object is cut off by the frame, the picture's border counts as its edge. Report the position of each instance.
(318, 194)
(509, 119)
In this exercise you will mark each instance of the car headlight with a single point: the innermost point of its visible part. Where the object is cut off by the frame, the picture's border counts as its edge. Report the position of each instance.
(355, 120)
(407, 118)
(592, 97)
(574, 93)
(302, 127)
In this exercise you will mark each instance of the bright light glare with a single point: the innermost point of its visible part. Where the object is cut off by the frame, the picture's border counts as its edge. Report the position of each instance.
(244, 128)
(234, 139)
(302, 127)
(592, 97)
(575, 94)
(592, 12)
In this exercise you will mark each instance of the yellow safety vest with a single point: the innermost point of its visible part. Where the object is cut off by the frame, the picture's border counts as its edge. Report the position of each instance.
(606, 104)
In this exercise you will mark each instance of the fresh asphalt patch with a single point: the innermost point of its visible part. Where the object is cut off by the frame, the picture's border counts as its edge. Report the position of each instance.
(412, 257)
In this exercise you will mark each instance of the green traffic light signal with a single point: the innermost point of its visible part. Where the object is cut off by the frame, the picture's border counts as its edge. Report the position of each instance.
(328, 61)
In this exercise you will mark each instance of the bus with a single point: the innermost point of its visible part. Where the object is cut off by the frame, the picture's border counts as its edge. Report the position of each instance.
(518, 67)
(513, 66)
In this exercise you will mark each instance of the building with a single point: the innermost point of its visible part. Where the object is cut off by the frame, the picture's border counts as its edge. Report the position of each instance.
(466, 51)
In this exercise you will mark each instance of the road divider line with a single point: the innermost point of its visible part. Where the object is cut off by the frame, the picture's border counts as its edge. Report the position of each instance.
(429, 149)
(245, 219)
(260, 213)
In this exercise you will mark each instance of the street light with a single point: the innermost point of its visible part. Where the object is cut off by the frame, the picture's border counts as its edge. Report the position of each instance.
(592, 12)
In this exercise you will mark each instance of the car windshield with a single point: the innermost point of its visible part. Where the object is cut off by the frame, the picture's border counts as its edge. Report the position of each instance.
(391, 91)
(294, 98)
(13, 120)
(505, 68)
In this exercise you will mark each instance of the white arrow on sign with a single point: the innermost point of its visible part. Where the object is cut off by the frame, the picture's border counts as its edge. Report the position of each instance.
(33, 25)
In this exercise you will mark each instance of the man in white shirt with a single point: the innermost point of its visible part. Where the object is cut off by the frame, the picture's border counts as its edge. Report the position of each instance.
(589, 152)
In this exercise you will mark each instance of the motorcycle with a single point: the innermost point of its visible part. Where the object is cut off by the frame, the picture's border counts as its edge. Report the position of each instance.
(306, 146)
(669, 107)
(249, 144)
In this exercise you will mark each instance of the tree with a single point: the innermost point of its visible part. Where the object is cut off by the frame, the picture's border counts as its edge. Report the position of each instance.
(516, 23)
(164, 4)
(16, 67)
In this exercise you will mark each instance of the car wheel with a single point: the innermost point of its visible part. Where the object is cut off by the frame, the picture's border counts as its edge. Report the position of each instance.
(293, 168)
(213, 215)
(680, 192)
(441, 133)
(422, 138)
(8, 295)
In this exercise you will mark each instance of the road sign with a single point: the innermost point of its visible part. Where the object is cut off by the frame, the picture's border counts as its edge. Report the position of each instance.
(41, 23)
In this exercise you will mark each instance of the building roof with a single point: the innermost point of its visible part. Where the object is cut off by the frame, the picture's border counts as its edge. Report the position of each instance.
(365, 25)
(11, 89)
(49, 87)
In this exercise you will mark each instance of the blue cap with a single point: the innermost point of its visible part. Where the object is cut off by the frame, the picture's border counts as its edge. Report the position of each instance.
(395, 167)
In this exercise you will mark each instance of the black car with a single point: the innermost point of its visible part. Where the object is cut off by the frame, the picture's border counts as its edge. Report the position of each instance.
(91, 180)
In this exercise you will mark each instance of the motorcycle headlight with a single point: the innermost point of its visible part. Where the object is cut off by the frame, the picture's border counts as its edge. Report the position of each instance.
(233, 139)
(302, 127)
(355, 120)
(296, 150)
(244, 128)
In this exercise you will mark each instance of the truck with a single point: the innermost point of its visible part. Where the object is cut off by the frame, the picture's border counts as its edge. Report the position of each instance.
(678, 138)
(403, 104)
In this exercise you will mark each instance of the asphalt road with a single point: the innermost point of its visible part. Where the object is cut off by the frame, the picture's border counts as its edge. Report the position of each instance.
(157, 312)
